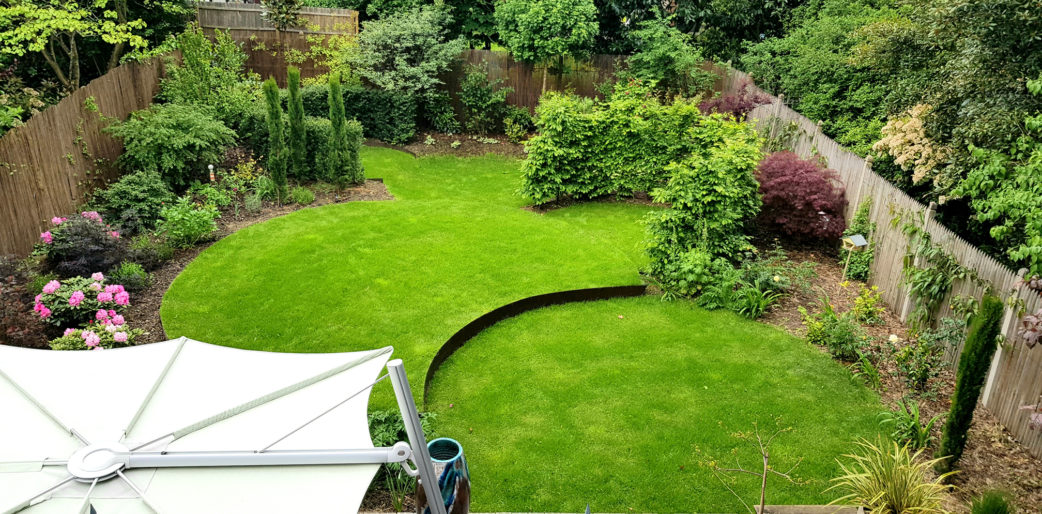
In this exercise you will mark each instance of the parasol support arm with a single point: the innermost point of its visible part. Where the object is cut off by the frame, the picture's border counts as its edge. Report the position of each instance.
(400, 452)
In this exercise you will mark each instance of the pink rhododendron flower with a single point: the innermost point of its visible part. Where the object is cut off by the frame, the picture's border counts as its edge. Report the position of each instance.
(118, 320)
(38, 299)
(47, 237)
(69, 332)
(76, 298)
(104, 297)
(97, 277)
(112, 313)
(101, 314)
(123, 298)
(44, 312)
(114, 234)
(37, 307)
(95, 286)
(114, 289)
(120, 337)
(90, 338)
(91, 215)
(51, 286)
(98, 348)
(58, 220)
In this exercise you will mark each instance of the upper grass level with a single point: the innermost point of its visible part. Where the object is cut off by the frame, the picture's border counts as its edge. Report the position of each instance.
(453, 245)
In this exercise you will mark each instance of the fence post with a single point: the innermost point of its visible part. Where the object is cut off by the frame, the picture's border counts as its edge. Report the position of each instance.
(906, 305)
(865, 170)
(1009, 324)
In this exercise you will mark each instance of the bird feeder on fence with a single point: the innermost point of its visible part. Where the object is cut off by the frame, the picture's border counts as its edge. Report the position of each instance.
(853, 243)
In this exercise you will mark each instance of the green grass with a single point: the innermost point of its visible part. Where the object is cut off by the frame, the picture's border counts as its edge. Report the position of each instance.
(568, 405)
(571, 405)
(453, 245)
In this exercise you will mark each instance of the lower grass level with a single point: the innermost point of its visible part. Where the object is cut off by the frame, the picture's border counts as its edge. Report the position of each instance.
(620, 404)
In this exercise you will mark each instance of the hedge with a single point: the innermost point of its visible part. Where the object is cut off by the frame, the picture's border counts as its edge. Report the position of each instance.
(384, 115)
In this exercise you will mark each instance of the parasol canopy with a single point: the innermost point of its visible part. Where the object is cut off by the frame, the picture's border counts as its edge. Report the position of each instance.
(185, 426)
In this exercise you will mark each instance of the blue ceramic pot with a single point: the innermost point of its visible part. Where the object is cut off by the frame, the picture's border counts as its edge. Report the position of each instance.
(450, 466)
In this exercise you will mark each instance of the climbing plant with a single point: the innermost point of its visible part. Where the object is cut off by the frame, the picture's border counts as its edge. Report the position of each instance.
(929, 270)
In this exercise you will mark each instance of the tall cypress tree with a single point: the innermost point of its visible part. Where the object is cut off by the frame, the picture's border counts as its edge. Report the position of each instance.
(973, 370)
(277, 150)
(297, 133)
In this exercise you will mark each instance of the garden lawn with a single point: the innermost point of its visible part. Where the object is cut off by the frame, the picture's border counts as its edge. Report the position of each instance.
(616, 403)
(410, 272)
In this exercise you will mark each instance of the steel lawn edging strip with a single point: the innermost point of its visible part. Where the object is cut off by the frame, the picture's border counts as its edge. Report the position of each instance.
(512, 309)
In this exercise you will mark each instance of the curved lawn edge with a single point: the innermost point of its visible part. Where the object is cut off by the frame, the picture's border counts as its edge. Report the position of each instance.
(487, 320)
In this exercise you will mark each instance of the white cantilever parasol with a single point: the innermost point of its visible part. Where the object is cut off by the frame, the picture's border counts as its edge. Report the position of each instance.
(188, 427)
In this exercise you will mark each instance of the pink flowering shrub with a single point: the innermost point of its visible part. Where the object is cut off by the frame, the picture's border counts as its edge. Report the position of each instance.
(108, 331)
(77, 301)
(80, 244)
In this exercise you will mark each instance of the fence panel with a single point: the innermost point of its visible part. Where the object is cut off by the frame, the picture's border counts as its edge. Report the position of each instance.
(42, 162)
(266, 48)
(581, 77)
(1015, 378)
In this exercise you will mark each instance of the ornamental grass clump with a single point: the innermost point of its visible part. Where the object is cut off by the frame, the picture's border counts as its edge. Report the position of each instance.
(887, 478)
(77, 301)
(801, 198)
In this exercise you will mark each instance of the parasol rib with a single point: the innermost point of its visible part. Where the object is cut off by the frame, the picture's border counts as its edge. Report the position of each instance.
(140, 493)
(85, 506)
(155, 387)
(43, 409)
(257, 402)
(29, 502)
(327, 411)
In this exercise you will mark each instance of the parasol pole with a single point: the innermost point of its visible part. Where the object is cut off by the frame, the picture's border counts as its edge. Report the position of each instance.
(411, 418)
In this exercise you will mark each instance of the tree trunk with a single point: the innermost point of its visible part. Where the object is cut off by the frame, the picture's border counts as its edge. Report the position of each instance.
(544, 79)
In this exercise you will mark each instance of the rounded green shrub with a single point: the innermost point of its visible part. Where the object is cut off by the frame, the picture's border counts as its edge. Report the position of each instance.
(134, 201)
(176, 141)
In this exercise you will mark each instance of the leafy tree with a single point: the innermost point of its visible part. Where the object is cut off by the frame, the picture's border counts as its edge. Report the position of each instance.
(278, 152)
(282, 14)
(57, 28)
(211, 73)
(720, 28)
(665, 56)
(297, 136)
(973, 370)
(813, 67)
(1005, 191)
(475, 21)
(541, 30)
(406, 53)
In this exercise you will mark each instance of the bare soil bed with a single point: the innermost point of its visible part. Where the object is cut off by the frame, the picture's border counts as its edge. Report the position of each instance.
(993, 458)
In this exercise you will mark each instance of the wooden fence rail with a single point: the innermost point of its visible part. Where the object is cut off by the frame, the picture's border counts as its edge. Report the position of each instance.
(43, 163)
(1015, 377)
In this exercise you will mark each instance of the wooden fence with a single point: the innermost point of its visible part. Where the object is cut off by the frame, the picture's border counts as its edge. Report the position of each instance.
(43, 163)
(1015, 377)
(581, 77)
(266, 49)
